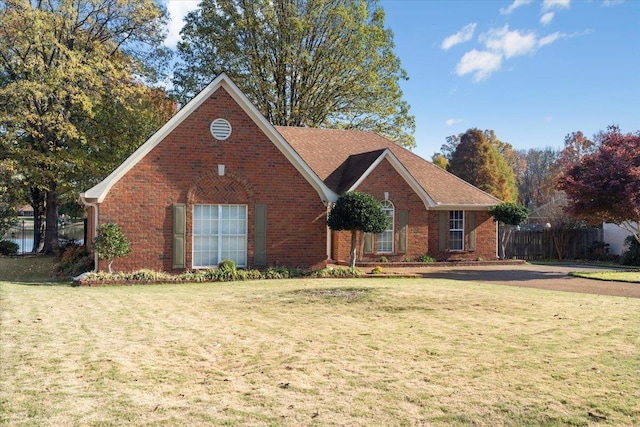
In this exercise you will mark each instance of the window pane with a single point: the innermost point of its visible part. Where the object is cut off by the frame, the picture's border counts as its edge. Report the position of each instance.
(456, 230)
(385, 239)
(219, 232)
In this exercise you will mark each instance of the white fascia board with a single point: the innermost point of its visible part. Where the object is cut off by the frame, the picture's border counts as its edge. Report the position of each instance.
(97, 193)
(462, 207)
(404, 173)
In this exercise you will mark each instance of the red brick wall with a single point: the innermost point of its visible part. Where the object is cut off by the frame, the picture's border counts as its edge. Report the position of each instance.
(485, 238)
(183, 168)
(422, 230)
(386, 179)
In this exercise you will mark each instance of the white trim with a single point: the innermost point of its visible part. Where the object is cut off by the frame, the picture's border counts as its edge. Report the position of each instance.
(460, 207)
(98, 193)
(392, 229)
(404, 173)
(84, 201)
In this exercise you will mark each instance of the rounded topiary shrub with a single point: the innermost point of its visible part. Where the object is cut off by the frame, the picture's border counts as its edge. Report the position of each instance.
(228, 264)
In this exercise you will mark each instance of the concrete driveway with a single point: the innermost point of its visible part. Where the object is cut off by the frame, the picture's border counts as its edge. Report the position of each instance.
(551, 277)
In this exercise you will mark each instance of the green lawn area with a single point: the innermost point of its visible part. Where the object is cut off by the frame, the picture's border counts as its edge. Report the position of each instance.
(27, 269)
(616, 276)
(326, 352)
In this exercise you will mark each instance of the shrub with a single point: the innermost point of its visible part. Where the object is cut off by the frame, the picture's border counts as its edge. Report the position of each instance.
(149, 276)
(111, 243)
(426, 258)
(337, 272)
(75, 259)
(632, 255)
(384, 259)
(376, 270)
(8, 248)
(228, 264)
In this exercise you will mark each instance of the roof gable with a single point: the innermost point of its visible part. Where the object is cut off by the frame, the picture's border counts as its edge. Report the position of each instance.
(97, 193)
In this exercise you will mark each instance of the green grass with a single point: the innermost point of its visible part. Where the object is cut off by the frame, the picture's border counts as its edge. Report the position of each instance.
(27, 268)
(615, 276)
(324, 352)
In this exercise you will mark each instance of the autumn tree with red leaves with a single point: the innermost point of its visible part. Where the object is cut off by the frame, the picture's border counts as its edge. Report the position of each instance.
(605, 185)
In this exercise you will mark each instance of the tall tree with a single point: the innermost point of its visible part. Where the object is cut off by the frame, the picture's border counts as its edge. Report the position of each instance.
(322, 63)
(59, 61)
(478, 161)
(605, 185)
(576, 146)
(537, 181)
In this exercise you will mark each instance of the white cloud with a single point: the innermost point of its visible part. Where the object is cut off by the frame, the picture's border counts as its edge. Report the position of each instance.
(547, 18)
(479, 63)
(464, 35)
(513, 6)
(550, 39)
(177, 9)
(555, 4)
(509, 43)
(451, 122)
(607, 3)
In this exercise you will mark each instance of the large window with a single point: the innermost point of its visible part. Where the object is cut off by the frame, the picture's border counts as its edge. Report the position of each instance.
(219, 233)
(385, 239)
(456, 230)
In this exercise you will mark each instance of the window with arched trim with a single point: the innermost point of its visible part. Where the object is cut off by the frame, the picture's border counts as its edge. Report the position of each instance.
(385, 239)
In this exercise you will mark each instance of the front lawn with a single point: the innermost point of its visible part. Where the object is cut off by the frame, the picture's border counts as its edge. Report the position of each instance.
(614, 276)
(27, 268)
(355, 352)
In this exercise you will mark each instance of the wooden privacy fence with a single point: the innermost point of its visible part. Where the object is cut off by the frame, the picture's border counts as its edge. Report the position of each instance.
(540, 244)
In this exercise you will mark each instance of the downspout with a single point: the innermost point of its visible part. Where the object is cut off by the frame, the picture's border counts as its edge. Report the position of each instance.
(328, 205)
(95, 227)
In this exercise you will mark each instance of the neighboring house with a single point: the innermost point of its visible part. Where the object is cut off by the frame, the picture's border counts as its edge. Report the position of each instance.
(615, 236)
(218, 181)
(25, 210)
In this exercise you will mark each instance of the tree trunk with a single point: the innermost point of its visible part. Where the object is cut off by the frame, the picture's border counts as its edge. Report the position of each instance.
(37, 203)
(352, 261)
(51, 218)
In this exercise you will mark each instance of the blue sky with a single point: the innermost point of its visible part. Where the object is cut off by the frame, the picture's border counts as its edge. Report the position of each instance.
(531, 70)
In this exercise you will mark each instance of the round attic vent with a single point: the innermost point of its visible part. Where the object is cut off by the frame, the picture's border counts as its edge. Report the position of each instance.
(220, 129)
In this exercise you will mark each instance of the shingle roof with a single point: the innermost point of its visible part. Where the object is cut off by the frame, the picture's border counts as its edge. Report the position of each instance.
(340, 157)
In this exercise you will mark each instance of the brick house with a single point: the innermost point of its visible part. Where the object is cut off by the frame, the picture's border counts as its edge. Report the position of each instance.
(218, 181)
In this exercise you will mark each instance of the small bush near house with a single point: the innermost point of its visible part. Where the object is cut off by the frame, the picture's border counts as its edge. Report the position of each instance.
(8, 248)
(426, 258)
(111, 243)
(376, 270)
(632, 255)
(228, 264)
(225, 274)
(149, 275)
(283, 273)
(384, 259)
(74, 259)
(337, 272)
